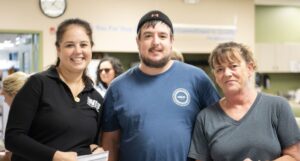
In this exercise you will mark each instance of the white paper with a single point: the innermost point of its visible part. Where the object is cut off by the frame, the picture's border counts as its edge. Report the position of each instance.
(103, 156)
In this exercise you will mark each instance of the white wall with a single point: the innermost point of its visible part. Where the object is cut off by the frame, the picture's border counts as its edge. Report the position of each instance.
(123, 15)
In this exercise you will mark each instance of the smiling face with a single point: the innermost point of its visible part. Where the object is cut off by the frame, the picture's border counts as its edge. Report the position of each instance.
(106, 72)
(155, 45)
(75, 49)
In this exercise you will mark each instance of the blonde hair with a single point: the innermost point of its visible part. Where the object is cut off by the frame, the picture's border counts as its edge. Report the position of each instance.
(14, 82)
(177, 55)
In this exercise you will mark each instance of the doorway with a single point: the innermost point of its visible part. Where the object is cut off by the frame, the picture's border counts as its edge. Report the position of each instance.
(19, 51)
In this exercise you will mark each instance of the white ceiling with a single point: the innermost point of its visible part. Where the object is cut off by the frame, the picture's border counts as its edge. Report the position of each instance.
(10, 41)
(7, 37)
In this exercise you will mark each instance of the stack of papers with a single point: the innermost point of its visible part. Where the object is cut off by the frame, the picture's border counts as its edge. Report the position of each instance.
(103, 156)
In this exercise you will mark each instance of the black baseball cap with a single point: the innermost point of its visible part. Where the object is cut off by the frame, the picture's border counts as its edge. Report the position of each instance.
(155, 15)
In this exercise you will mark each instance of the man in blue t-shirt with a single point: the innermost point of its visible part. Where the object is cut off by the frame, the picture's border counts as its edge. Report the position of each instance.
(149, 111)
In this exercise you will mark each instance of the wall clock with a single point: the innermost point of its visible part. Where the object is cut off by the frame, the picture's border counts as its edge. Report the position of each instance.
(53, 8)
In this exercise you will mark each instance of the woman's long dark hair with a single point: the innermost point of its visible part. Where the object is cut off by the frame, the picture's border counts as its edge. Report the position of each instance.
(116, 65)
(62, 28)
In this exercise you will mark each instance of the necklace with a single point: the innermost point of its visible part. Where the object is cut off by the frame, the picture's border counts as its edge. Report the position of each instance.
(77, 99)
(75, 87)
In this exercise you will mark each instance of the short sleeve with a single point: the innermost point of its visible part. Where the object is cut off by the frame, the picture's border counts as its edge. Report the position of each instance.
(110, 120)
(208, 93)
(287, 128)
(199, 145)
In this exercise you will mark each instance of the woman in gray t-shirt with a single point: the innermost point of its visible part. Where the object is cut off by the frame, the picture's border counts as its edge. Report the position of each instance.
(244, 124)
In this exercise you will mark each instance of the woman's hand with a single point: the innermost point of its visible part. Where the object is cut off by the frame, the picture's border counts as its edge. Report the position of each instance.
(64, 156)
(96, 149)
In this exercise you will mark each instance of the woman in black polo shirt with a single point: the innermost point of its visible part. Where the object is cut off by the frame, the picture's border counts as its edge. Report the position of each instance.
(56, 115)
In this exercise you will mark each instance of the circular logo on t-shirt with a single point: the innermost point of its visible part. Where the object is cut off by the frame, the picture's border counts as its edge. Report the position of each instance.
(181, 97)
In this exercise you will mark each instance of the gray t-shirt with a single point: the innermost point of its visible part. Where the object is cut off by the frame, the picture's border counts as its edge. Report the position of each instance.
(267, 128)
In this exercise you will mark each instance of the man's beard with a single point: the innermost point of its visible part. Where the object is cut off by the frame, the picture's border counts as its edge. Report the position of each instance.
(155, 64)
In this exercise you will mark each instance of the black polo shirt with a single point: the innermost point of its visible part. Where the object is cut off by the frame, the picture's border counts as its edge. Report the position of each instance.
(44, 118)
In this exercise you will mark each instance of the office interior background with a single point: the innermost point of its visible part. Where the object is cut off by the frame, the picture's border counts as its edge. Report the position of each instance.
(271, 28)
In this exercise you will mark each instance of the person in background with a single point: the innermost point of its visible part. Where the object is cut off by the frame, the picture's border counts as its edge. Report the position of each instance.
(1, 75)
(56, 115)
(149, 111)
(244, 124)
(177, 55)
(10, 87)
(108, 69)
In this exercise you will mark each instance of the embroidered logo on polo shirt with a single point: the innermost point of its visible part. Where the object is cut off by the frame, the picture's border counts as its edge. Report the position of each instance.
(93, 103)
(181, 97)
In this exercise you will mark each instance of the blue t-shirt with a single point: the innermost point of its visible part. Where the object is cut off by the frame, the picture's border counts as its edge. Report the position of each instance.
(156, 114)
